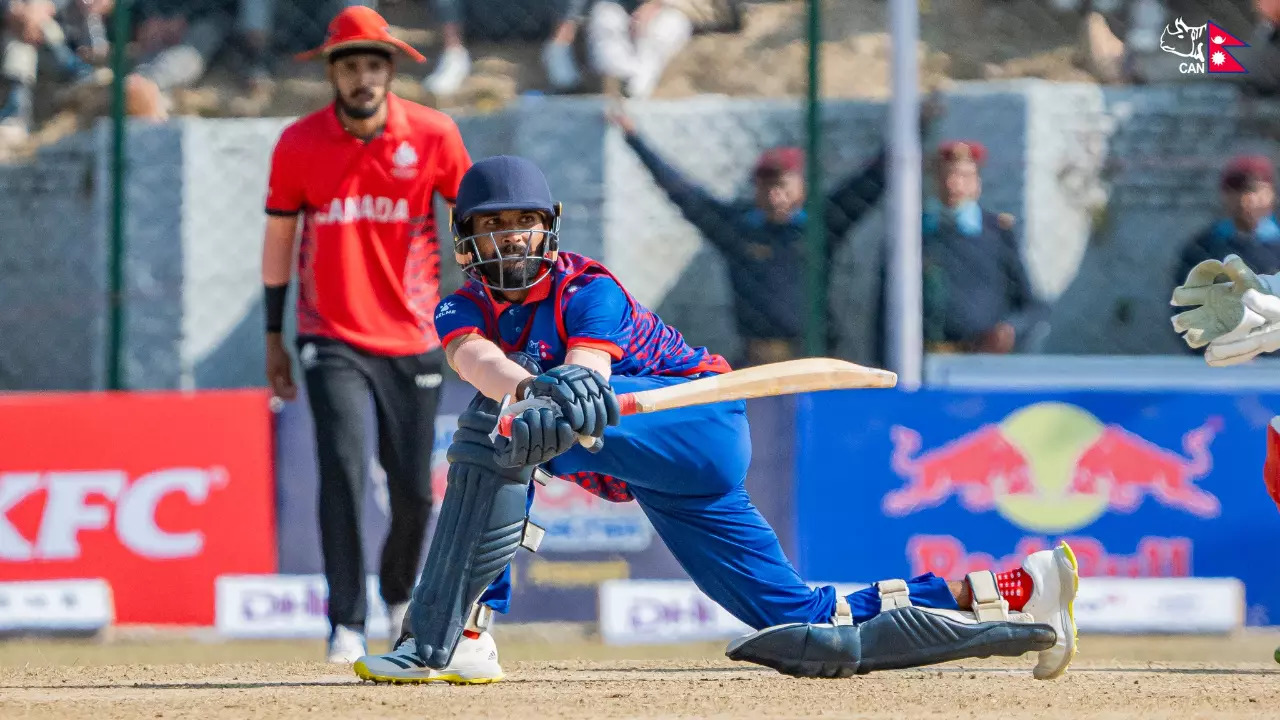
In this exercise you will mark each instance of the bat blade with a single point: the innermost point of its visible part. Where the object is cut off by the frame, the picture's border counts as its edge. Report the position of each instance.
(781, 378)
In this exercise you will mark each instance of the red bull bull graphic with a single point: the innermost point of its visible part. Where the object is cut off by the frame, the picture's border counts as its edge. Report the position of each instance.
(1127, 467)
(975, 468)
(1142, 484)
(1052, 467)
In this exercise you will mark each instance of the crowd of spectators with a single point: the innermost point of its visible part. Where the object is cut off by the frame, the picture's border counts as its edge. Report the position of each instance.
(977, 297)
(628, 44)
(622, 46)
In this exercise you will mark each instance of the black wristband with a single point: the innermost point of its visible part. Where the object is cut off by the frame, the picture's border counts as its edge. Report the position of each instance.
(275, 306)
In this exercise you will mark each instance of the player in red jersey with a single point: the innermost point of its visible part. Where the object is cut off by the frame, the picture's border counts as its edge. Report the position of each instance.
(360, 176)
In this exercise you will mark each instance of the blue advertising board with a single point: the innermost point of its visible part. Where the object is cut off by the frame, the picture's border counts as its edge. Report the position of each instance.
(1141, 484)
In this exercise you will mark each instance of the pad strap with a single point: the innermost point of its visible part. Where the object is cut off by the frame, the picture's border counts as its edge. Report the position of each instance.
(844, 614)
(531, 539)
(988, 604)
(480, 619)
(893, 595)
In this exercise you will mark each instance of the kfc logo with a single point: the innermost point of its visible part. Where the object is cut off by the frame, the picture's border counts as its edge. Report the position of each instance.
(156, 493)
(88, 501)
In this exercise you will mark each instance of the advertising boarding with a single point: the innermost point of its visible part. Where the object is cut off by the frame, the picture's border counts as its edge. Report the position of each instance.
(1142, 485)
(157, 493)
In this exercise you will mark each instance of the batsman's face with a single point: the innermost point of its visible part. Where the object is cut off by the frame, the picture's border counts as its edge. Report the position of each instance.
(959, 182)
(516, 237)
(360, 83)
(779, 195)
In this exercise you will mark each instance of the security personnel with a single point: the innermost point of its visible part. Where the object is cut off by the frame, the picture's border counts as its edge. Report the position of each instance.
(1248, 226)
(762, 240)
(977, 298)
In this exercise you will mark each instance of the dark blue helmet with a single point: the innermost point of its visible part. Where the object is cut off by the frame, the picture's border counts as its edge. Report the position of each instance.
(515, 260)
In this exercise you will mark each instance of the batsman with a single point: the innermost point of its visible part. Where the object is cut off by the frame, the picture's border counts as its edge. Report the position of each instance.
(535, 322)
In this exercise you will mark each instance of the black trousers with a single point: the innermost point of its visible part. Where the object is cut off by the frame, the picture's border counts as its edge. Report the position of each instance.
(406, 396)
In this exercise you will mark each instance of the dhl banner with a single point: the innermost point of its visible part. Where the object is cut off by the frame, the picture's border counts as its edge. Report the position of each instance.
(1141, 484)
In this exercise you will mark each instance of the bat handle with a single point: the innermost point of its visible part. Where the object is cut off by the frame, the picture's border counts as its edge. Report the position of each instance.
(627, 404)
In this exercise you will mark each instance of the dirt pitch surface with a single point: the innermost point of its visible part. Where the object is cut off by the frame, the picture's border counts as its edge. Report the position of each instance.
(563, 674)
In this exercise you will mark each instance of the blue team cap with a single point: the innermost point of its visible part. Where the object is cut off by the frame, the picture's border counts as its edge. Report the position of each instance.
(503, 182)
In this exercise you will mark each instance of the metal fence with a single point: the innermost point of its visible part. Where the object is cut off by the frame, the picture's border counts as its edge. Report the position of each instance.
(752, 207)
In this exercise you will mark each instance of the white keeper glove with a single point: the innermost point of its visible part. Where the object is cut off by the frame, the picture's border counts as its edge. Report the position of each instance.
(1237, 319)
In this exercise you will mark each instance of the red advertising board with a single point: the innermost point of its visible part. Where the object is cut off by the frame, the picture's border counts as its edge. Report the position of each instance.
(156, 492)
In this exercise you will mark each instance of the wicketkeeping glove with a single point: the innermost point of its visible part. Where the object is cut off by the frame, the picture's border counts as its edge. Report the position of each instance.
(1221, 313)
(1253, 340)
(584, 396)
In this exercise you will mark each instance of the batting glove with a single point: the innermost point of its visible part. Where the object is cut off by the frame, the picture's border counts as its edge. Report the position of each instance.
(585, 397)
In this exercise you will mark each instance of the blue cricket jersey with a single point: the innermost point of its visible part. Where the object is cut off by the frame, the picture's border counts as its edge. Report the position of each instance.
(582, 304)
(579, 304)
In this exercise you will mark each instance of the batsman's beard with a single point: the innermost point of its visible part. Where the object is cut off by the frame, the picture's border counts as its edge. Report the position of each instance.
(513, 274)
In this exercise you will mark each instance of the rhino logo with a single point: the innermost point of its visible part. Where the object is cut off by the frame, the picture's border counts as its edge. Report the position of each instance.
(1183, 40)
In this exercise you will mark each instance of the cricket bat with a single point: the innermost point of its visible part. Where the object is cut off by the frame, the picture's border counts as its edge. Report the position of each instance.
(781, 378)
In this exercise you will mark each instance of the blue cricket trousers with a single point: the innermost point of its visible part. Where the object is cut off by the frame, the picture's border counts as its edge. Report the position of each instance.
(686, 468)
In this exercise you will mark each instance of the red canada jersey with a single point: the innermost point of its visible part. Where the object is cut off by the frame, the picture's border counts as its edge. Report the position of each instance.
(369, 260)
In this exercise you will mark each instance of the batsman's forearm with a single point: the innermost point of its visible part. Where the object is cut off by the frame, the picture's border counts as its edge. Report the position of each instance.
(589, 358)
(487, 369)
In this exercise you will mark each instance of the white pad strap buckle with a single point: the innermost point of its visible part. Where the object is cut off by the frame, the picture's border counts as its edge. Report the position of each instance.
(893, 595)
(844, 614)
(480, 618)
(532, 536)
(988, 604)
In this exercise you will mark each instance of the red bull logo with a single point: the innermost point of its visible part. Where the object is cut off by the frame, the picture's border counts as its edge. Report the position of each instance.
(1052, 467)
(976, 467)
(1127, 467)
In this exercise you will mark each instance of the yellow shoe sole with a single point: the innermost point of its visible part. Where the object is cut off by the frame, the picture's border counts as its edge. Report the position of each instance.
(362, 671)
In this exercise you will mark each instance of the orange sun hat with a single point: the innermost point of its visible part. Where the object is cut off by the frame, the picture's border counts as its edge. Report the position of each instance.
(360, 27)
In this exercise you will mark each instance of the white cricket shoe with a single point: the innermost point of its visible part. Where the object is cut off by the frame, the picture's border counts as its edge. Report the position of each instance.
(346, 645)
(474, 662)
(395, 622)
(1055, 577)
